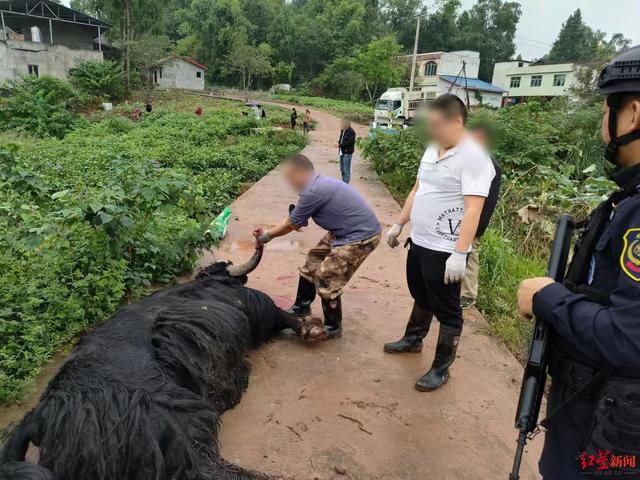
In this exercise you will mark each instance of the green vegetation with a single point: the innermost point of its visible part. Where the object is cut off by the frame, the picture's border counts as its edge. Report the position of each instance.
(551, 159)
(116, 207)
(43, 107)
(98, 78)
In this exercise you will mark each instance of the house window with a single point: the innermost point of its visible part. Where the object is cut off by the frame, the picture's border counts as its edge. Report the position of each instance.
(430, 69)
(199, 74)
(515, 82)
(559, 79)
(33, 70)
(155, 75)
(520, 64)
(536, 80)
(160, 72)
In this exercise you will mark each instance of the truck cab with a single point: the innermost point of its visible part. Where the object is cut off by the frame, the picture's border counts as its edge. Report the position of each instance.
(390, 108)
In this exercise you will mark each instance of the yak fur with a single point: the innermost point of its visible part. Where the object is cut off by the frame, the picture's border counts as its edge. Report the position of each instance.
(140, 397)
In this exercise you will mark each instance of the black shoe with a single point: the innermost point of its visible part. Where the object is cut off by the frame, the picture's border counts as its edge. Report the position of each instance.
(304, 298)
(332, 310)
(445, 356)
(417, 329)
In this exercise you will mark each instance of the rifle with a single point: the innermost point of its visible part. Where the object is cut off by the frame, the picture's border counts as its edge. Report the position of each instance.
(535, 373)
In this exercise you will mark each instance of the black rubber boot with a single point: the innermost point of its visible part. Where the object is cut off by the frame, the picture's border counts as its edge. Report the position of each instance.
(332, 310)
(445, 356)
(416, 330)
(304, 298)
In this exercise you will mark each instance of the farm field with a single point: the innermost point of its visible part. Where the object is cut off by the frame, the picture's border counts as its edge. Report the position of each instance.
(113, 209)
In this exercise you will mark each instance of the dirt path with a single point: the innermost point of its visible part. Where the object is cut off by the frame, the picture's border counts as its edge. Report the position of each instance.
(344, 409)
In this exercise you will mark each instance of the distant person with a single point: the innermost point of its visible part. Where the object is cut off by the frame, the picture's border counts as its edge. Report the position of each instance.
(199, 111)
(136, 115)
(294, 118)
(469, 289)
(353, 232)
(346, 146)
(306, 121)
(149, 107)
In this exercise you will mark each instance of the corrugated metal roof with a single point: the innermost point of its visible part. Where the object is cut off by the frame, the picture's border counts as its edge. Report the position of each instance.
(472, 83)
(48, 9)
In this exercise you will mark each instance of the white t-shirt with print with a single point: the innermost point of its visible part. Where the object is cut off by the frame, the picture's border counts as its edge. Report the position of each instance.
(438, 207)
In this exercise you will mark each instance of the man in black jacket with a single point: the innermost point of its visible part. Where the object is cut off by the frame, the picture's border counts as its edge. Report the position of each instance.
(346, 144)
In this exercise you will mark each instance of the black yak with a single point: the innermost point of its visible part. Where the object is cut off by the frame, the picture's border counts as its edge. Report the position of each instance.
(140, 397)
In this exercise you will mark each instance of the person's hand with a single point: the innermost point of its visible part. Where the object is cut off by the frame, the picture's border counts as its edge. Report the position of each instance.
(393, 234)
(528, 288)
(262, 235)
(455, 267)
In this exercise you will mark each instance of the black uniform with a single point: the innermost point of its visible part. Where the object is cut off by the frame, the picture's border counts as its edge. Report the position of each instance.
(596, 341)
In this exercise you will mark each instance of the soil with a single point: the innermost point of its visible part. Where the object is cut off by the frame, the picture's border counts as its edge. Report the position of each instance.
(343, 409)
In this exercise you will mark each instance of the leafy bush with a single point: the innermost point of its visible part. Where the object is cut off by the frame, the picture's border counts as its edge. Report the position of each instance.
(99, 78)
(114, 208)
(42, 106)
(551, 158)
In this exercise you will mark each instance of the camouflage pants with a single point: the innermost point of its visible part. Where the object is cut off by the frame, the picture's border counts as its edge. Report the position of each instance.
(330, 268)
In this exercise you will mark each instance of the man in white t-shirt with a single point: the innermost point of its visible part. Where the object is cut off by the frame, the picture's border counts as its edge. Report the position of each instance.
(444, 209)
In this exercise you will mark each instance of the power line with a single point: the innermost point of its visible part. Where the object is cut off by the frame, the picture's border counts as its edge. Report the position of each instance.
(533, 40)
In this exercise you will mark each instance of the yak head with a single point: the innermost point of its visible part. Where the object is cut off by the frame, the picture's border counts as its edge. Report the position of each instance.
(228, 269)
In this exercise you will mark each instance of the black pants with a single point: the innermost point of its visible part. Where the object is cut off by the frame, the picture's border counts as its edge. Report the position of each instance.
(425, 276)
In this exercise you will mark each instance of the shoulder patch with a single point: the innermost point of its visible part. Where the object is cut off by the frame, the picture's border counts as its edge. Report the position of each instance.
(630, 257)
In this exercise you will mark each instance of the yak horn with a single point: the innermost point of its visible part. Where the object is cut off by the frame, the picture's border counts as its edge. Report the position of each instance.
(247, 268)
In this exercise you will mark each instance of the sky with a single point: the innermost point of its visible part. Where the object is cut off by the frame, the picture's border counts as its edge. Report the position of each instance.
(541, 21)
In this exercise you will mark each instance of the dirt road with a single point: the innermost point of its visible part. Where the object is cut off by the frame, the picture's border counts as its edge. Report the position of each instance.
(344, 409)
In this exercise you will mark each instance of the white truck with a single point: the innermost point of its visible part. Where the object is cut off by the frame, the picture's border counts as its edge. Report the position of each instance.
(398, 107)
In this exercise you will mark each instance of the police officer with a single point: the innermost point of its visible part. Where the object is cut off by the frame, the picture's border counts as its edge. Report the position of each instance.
(593, 415)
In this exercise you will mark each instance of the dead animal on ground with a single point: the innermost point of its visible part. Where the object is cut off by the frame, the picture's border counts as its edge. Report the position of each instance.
(141, 396)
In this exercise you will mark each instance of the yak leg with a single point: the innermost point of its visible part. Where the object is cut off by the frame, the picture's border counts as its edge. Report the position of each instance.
(289, 321)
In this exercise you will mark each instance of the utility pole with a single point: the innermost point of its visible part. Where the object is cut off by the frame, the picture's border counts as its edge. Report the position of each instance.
(415, 55)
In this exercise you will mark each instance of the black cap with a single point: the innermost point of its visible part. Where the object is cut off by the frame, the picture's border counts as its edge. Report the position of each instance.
(622, 75)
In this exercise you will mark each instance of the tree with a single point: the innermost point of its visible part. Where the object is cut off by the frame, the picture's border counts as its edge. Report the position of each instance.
(490, 28)
(249, 62)
(377, 65)
(100, 78)
(146, 54)
(585, 86)
(576, 41)
(399, 18)
(439, 31)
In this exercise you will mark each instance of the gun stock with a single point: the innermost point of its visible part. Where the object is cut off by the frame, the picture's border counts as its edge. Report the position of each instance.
(535, 373)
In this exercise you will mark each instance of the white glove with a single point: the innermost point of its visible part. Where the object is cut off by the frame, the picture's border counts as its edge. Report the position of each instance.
(393, 234)
(455, 267)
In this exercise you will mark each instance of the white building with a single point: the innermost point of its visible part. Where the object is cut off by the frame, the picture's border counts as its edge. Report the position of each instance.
(442, 72)
(179, 72)
(41, 37)
(521, 80)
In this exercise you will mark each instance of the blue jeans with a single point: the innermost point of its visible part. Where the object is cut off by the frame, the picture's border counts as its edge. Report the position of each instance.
(345, 167)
